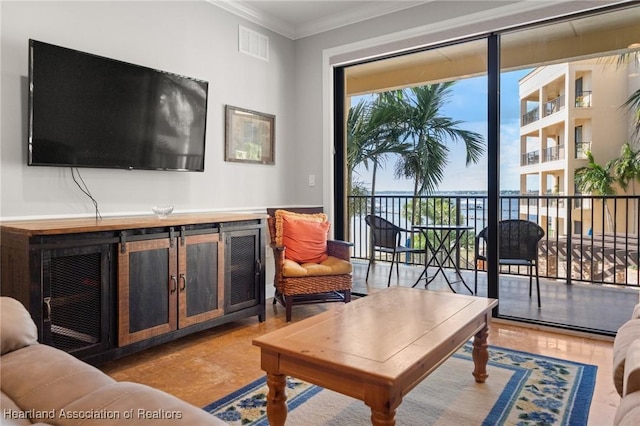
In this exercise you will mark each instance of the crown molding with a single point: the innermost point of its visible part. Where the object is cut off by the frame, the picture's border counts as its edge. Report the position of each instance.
(353, 16)
(306, 29)
(257, 17)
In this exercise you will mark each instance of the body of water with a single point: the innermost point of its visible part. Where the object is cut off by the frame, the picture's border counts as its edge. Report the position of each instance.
(472, 209)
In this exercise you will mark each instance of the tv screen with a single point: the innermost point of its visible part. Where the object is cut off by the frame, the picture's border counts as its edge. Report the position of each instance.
(90, 111)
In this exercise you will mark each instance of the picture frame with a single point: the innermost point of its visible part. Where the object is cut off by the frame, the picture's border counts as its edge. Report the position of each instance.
(249, 136)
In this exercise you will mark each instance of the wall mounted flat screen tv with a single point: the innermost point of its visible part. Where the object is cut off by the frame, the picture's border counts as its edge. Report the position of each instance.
(89, 111)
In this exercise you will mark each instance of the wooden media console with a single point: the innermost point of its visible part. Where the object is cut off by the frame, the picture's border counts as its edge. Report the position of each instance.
(101, 289)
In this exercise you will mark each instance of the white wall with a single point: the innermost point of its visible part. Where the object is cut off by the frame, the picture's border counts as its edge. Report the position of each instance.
(199, 39)
(196, 39)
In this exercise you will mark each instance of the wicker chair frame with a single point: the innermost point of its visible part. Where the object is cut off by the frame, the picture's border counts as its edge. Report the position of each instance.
(517, 246)
(311, 289)
(386, 239)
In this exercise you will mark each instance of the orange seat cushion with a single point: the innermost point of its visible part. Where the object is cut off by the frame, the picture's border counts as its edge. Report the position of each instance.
(331, 266)
(305, 241)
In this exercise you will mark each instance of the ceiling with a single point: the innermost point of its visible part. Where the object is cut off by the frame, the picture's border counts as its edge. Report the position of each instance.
(594, 36)
(303, 18)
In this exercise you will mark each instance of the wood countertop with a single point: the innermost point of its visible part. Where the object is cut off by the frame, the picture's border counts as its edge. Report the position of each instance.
(80, 225)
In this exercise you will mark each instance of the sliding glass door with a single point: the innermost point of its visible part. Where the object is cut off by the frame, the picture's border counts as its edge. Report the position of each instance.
(547, 103)
(569, 125)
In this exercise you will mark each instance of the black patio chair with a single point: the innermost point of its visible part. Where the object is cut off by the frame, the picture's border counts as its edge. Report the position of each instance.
(386, 239)
(517, 245)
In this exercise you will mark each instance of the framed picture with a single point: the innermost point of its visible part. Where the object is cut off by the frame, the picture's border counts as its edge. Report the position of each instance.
(249, 136)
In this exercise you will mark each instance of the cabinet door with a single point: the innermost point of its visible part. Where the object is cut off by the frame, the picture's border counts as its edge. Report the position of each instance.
(75, 284)
(200, 279)
(243, 270)
(147, 289)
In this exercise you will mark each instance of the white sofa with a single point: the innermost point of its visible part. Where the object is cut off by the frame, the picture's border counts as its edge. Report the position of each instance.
(43, 385)
(626, 371)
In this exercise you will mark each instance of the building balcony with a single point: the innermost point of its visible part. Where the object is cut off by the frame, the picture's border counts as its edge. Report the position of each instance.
(579, 305)
(529, 158)
(586, 267)
(554, 105)
(581, 149)
(553, 153)
(583, 99)
(530, 117)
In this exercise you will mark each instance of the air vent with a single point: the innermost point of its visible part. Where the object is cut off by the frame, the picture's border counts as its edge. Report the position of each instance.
(253, 43)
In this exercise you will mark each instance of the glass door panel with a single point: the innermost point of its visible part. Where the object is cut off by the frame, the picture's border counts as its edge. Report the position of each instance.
(561, 89)
(428, 165)
(568, 82)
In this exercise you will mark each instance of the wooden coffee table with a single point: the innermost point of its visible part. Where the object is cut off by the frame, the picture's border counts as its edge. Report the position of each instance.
(377, 348)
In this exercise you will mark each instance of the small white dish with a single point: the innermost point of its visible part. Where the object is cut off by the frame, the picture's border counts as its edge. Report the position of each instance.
(162, 211)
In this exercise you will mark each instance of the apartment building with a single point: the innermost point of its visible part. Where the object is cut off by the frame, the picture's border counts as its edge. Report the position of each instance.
(566, 110)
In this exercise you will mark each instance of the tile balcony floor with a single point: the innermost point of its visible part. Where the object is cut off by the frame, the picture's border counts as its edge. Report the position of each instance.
(592, 307)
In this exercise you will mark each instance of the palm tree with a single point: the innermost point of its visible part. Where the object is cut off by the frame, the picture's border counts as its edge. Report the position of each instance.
(373, 131)
(598, 180)
(357, 138)
(627, 167)
(627, 170)
(633, 105)
(430, 132)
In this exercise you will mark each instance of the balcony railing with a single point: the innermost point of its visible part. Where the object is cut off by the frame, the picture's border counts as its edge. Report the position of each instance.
(529, 158)
(553, 153)
(583, 99)
(582, 148)
(530, 116)
(596, 241)
(554, 105)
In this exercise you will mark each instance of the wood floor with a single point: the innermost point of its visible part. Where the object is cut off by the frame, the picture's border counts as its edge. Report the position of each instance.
(209, 365)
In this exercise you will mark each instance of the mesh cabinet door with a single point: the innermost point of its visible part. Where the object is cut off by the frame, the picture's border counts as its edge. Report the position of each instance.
(242, 269)
(75, 300)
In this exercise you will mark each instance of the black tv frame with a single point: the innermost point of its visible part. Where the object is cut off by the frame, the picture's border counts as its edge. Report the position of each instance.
(153, 136)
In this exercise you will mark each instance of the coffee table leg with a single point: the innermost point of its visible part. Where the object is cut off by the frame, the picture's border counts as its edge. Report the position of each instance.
(383, 401)
(276, 398)
(480, 355)
(379, 418)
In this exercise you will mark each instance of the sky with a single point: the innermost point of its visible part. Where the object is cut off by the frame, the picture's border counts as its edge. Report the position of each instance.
(468, 104)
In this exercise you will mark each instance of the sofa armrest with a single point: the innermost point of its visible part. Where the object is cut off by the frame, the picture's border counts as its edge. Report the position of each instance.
(628, 333)
(17, 329)
(632, 369)
(636, 312)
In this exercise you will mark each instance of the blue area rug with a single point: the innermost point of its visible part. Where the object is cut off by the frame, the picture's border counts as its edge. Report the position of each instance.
(522, 389)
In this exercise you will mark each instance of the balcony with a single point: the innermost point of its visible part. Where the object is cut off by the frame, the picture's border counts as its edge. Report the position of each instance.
(553, 153)
(549, 108)
(530, 117)
(589, 272)
(582, 148)
(529, 158)
(583, 99)
(577, 306)
(554, 105)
